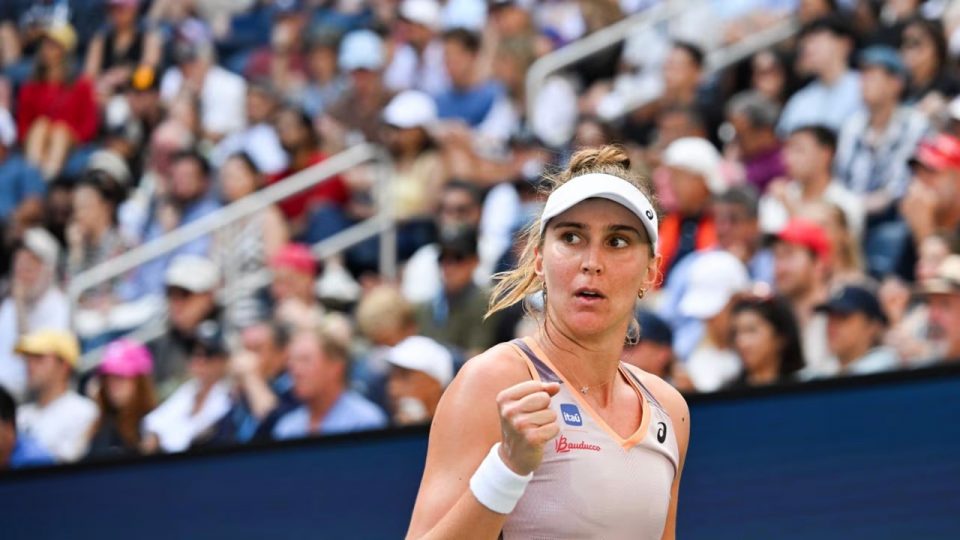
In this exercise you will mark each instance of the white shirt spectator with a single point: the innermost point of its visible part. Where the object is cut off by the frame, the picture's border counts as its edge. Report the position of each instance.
(409, 71)
(52, 311)
(774, 215)
(62, 426)
(710, 368)
(173, 422)
(222, 98)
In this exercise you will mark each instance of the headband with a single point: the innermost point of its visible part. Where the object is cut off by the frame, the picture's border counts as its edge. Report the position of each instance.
(602, 186)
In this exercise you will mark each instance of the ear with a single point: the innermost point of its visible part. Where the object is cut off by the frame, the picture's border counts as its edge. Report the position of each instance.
(538, 262)
(653, 272)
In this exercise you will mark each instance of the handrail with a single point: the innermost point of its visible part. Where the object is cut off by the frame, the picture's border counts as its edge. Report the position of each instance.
(593, 43)
(716, 60)
(237, 210)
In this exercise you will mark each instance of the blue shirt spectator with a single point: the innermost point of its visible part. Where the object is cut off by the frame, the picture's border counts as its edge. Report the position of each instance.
(351, 412)
(27, 452)
(19, 181)
(469, 104)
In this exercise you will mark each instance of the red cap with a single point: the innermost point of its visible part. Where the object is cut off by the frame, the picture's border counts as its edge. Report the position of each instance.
(296, 257)
(938, 153)
(808, 234)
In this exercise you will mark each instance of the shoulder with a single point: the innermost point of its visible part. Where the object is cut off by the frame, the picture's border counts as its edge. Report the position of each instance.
(364, 408)
(671, 400)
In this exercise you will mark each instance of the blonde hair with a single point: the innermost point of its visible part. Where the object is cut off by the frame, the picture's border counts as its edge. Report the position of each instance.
(384, 307)
(514, 285)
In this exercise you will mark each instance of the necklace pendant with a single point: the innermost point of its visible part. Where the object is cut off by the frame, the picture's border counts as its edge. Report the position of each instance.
(584, 390)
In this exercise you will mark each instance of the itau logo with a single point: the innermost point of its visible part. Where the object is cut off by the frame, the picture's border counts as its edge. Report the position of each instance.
(571, 414)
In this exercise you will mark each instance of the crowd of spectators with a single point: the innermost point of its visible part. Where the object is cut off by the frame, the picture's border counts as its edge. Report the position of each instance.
(810, 202)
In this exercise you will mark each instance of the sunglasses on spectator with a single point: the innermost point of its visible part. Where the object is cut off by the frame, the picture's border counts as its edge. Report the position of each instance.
(452, 258)
(207, 355)
(912, 43)
(178, 293)
(457, 209)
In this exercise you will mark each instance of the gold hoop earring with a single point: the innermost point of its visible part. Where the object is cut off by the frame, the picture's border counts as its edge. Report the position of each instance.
(641, 293)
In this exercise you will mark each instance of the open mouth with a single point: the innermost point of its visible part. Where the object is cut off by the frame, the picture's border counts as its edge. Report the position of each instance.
(589, 294)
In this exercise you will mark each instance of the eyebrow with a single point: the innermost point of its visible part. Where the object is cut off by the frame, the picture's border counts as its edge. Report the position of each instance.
(612, 228)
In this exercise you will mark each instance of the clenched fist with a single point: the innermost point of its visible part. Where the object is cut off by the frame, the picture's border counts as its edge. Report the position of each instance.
(527, 423)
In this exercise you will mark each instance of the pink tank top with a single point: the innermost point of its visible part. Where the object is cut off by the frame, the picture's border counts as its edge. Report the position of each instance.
(593, 483)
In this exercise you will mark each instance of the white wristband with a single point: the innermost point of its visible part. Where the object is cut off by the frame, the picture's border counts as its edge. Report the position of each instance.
(495, 485)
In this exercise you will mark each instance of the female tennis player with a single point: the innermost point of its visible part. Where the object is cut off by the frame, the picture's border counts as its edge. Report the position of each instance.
(553, 436)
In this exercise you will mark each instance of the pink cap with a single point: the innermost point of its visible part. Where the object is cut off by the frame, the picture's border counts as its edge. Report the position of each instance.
(296, 257)
(126, 358)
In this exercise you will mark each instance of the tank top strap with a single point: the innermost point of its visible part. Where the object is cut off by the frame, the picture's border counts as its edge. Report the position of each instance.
(643, 388)
(543, 371)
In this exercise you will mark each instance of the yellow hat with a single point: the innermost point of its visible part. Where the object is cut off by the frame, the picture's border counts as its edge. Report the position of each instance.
(63, 34)
(56, 342)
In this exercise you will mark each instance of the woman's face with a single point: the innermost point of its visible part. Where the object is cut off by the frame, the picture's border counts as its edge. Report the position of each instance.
(123, 15)
(594, 260)
(237, 179)
(768, 76)
(918, 51)
(88, 207)
(755, 340)
(51, 53)
(933, 250)
(120, 390)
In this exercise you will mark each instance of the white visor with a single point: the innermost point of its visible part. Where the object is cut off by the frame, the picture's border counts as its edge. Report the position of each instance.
(602, 186)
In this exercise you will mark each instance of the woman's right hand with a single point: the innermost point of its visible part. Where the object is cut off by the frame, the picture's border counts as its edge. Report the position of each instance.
(527, 423)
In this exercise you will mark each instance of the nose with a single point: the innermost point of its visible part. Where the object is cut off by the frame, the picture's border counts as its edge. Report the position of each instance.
(591, 263)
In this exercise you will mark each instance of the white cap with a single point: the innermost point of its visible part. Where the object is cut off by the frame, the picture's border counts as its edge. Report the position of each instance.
(467, 14)
(111, 163)
(42, 244)
(425, 12)
(361, 49)
(423, 354)
(602, 186)
(715, 276)
(698, 156)
(8, 129)
(409, 109)
(954, 108)
(194, 273)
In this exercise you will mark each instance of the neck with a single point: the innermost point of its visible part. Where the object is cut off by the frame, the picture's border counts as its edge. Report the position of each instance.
(850, 356)
(923, 76)
(591, 364)
(99, 229)
(301, 158)
(833, 73)
(805, 302)
(767, 373)
(812, 188)
(321, 404)
(51, 393)
(881, 114)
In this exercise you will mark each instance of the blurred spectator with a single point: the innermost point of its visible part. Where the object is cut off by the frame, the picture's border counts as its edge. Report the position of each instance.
(298, 139)
(293, 289)
(419, 177)
(56, 111)
(20, 181)
(855, 327)
(481, 104)
(943, 298)
(421, 370)
(58, 418)
(456, 315)
(125, 45)
(247, 246)
(188, 199)
(736, 220)
(808, 155)
(356, 116)
(418, 60)
(263, 390)
(767, 340)
(770, 76)
(910, 330)
(220, 93)
(191, 283)
(385, 318)
(715, 278)
(34, 303)
(653, 351)
(932, 203)
(324, 83)
(259, 139)
(753, 118)
(320, 368)
(876, 142)
(185, 418)
(460, 206)
(846, 257)
(125, 397)
(93, 236)
(924, 50)
(801, 266)
(694, 166)
(282, 62)
(17, 450)
(834, 94)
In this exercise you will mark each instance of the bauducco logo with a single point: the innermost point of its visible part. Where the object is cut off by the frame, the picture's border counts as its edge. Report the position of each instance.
(562, 446)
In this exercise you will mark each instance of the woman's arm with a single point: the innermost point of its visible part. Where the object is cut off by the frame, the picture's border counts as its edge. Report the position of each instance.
(467, 423)
(94, 61)
(275, 231)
